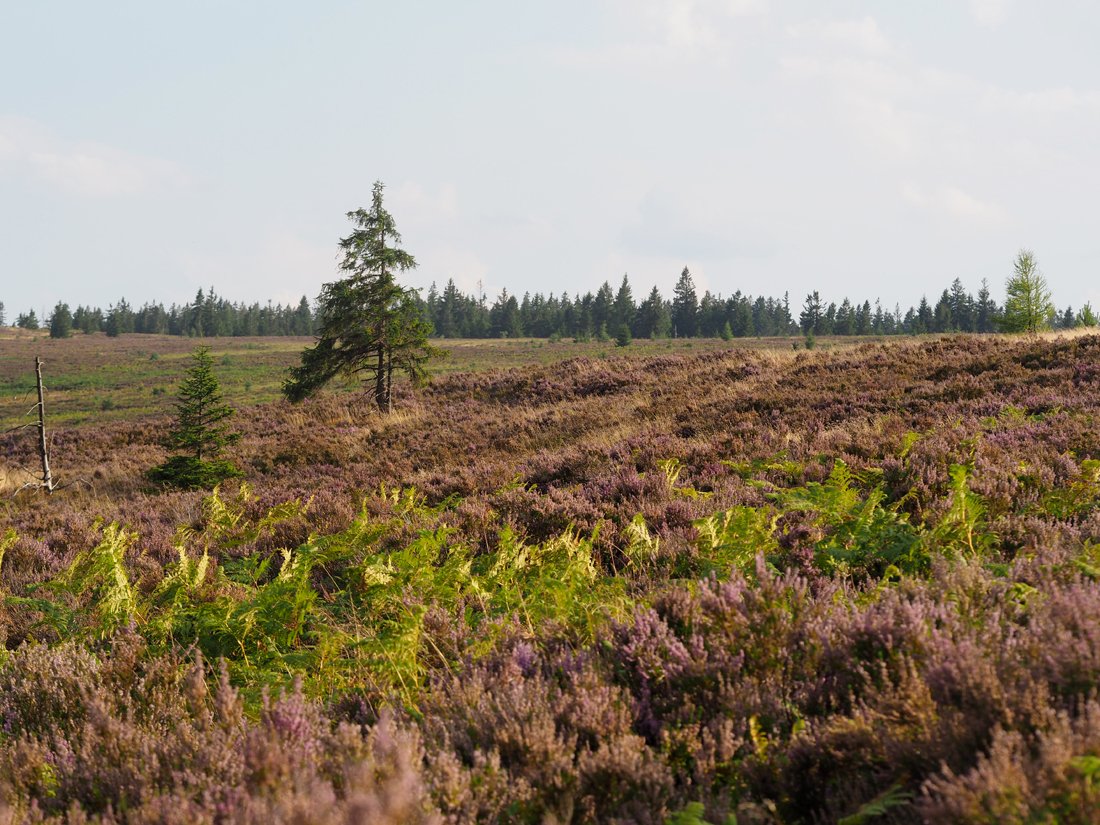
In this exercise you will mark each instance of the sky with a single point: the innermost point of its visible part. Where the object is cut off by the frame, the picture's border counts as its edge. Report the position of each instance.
(862, 149)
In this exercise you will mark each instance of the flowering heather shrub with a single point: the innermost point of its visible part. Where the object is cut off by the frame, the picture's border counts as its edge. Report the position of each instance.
(855, 584)
(141, 739)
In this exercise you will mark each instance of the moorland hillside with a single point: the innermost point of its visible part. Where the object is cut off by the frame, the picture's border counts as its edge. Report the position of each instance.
(786, 586)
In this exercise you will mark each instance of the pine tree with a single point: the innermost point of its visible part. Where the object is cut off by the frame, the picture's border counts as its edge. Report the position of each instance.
(120, 319)
(810, 318)
(201, 431)
(61, 322)
(926, 318)
(303, 318)
(742, 318)
(962, 307)
(653, 317)
(622, 336)
(369, 325)
(450, 308)
(985, 310)
(943, 319)
(845, 319)
(863, 319)
(602, 305)
(685, 306)
(504, 317)
(623, 310)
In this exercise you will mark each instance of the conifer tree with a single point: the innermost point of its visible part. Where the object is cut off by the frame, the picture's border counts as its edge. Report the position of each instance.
(1028, 306)
(623, 336)
(369, 325)
(201, 430)
(623, 310)
(653, 320)
(685, 306)
(810, 318)
(61, 322)
(303, 318)
(1085, 316)
(985, 309)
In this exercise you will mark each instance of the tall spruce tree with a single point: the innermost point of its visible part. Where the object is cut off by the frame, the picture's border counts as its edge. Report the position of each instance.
(810, 319)
(201, 431)
(685, 306)
(368, 324)
(623, 309)
(985, 309)
(653, 320)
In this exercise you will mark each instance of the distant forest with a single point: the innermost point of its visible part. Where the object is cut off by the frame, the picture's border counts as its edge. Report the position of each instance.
(608, 313)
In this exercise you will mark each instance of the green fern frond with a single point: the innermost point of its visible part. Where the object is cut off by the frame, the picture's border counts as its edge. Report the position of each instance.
(641, 547)
(101, 573)
(893, 797)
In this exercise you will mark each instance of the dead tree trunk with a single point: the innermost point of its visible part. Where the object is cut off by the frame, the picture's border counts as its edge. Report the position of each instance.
(43, 452)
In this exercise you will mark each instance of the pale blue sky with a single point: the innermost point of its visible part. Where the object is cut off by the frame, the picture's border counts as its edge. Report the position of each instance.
(865, 149)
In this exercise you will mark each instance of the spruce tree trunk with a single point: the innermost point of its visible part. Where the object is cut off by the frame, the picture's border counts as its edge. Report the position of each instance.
(380, 379)
(389, 380)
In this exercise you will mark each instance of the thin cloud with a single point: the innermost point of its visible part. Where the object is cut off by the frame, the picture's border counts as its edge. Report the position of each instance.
(81, 167)
(659, 32)
(667, 228)
(694, 23)
(1059, 101)
(955, 203)
(423, 205)
(989, 13)
(277, 264)
(863, 35)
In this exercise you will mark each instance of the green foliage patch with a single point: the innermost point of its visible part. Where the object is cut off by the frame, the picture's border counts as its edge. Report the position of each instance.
(377, 607)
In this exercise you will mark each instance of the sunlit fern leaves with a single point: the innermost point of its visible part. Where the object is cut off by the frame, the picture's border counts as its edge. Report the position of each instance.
(99, 575)
(732, 539)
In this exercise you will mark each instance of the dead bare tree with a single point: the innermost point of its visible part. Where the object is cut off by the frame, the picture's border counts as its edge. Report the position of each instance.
(45, 481)
(43, 452)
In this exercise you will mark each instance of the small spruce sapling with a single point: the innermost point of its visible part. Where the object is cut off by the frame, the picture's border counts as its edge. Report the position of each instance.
(201, 431)
(623, 337)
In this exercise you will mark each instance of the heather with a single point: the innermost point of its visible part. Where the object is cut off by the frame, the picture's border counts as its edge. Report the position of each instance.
(97, 378)
(771, 586)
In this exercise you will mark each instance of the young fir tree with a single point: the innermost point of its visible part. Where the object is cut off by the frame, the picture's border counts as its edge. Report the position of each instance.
(201, 431)
(623, 338)
(368, 325)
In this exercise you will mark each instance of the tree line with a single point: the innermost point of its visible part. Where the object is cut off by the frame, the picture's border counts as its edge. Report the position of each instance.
(609, 313)
(604, 314)
(208, 315)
